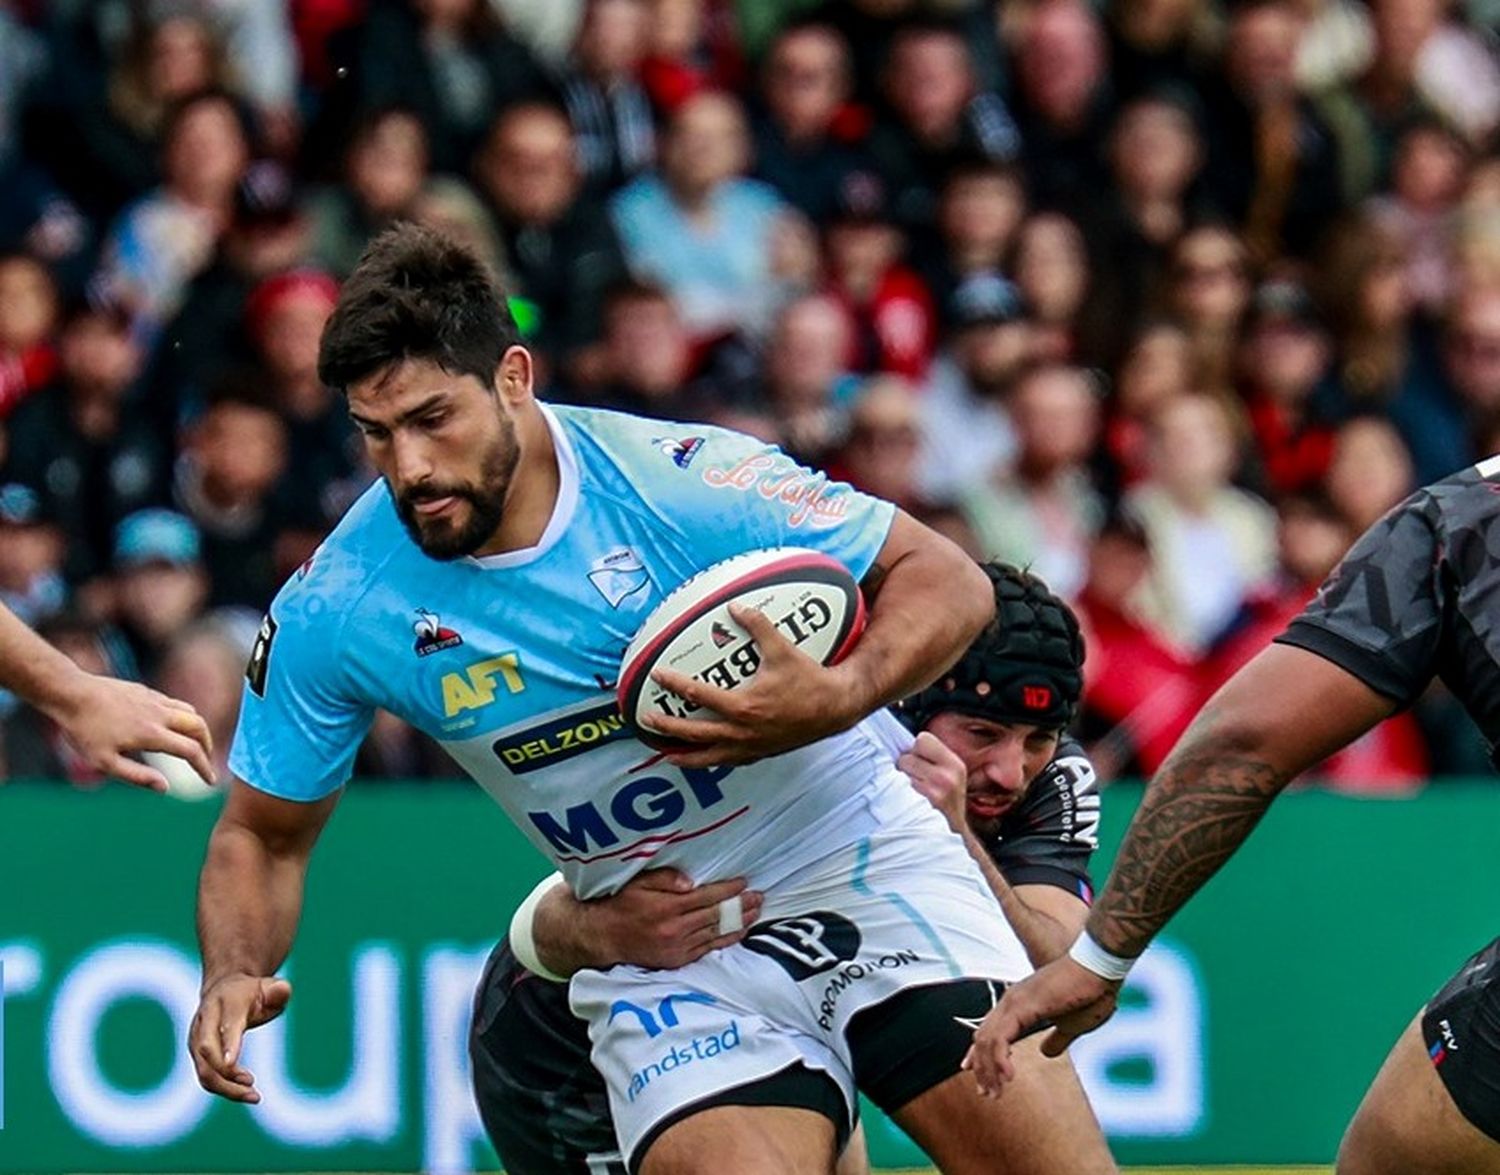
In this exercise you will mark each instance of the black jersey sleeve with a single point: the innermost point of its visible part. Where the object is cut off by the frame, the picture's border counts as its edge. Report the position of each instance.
(1381, 614)
(1050, 836)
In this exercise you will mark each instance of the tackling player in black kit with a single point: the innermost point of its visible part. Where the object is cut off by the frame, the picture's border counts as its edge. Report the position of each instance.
(1415, 598)
(990, 755)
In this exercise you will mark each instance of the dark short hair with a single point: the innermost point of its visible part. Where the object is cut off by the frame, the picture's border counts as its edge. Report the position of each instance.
(416, 294)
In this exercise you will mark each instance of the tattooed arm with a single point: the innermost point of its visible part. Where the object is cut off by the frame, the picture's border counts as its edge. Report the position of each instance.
(1283, 713)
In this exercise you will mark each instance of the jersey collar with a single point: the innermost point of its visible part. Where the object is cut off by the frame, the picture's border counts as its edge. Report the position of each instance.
(562, 511)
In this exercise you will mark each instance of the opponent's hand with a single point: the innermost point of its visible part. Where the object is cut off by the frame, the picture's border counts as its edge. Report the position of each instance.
(107, 719)
(660, 920)
(226, 1010)
(790, 702)
(1070, 996)
(940, 776)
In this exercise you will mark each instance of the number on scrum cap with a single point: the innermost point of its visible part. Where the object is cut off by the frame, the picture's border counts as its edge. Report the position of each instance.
(811, 598)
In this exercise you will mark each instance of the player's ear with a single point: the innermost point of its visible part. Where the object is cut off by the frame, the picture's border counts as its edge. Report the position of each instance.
(513, 378)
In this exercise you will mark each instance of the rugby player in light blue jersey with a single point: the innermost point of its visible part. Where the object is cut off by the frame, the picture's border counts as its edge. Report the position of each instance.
(484, 591)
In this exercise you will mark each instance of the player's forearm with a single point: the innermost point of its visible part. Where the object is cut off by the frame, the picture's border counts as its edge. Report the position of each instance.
(1043, 936)
(1197, 811)
(249, 903)
(566, 936)
(32, 669)
(930, 603)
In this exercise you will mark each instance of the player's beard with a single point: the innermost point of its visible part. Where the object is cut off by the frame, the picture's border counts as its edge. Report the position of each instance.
(466, 531)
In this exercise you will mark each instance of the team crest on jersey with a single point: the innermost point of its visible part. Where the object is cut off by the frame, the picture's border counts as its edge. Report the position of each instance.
(682, 450)
(618, 574)
(432, 636)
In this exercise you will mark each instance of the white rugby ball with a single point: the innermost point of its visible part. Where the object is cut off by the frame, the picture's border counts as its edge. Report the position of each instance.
(810, 597)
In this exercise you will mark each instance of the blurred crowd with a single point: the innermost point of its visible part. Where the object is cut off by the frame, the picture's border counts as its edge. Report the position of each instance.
(1166, 299)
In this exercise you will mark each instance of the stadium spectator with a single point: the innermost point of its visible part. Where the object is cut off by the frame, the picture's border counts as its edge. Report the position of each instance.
(606, 103)
(28, 321)
(891, 314)
(32, 548)
(559, 243)
(938, 116)
(1157, 367)
(699, 227)
(654, 366)
(234, 454)
(385, 168)
(1361, 282)
(1208, 294)
(806, 385)
(1156, 154)
(158, 244)
(1421, 210)
(1041, 511)
(450, 62)
(268, 234)
(79, 443)
(981, 206)
(160, 585)
(1139, 690)
(691, 45)
(1449, 400)
(966, 427)
(1285, 360)
(1157, 43)
(1273, 164)
(880, 453)
(285, 316)
(1063, 104)
(802, 146)
(1212, 544)
(1369, 470)
(1368, 112)
(99, 122)
(1053, 272)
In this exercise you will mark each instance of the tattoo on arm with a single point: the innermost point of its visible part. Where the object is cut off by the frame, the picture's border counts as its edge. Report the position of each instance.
(1197, 812)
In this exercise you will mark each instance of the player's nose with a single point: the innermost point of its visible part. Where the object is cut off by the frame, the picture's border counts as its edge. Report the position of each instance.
(410, 460)
(1004, 766)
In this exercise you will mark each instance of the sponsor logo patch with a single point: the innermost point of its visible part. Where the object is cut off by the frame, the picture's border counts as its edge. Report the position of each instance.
(618, 575)
(807, 945)
(682, 451)
(432, 636)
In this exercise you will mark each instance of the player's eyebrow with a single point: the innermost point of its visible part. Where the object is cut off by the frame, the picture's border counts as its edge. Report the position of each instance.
(425, 406)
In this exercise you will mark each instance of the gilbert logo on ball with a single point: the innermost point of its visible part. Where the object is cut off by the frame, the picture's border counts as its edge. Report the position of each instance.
(811, 598)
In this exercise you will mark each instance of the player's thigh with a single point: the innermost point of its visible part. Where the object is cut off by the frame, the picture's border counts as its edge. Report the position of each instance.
(854, 1159)
(1408, 1124)
(748, 1140)
(1435, 1104)
(1040, 1125)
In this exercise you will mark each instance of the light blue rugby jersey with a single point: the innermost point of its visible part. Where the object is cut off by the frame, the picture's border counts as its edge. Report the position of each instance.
(510, 660)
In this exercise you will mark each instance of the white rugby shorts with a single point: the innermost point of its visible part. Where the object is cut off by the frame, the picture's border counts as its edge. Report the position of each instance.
(905, 908)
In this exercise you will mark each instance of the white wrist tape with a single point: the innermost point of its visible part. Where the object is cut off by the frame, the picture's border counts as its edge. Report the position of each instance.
(1089, 955)
(522, 941)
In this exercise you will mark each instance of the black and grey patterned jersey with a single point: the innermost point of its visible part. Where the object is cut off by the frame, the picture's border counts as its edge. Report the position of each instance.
(1418, 597)
(1049, 837)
